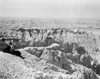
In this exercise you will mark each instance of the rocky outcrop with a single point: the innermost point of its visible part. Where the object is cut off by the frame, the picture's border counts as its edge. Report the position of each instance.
(86, 60)
(12, 67)
(62, 59)
(73, 57)
(45, 37)
(57, 58)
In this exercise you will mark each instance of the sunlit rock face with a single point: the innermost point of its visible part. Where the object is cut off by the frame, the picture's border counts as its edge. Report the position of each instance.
(44, 37)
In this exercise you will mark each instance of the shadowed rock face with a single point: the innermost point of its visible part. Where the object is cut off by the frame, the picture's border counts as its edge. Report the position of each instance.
(96, 66)
(7, 49)
(86, 60)
(3, 45)
(98, 69)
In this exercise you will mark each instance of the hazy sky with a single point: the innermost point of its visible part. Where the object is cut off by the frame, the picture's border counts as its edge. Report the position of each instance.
(51, 8)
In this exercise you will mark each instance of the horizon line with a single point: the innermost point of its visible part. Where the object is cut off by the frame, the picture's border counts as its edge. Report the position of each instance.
(21, 17)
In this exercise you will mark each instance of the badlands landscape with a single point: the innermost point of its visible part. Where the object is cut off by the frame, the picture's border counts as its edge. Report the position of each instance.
(49, 48)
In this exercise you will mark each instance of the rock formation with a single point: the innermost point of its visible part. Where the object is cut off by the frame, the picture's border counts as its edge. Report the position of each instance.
(43, 53)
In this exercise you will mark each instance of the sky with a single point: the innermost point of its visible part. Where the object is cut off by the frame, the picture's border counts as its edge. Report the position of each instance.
(89, 9)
